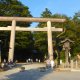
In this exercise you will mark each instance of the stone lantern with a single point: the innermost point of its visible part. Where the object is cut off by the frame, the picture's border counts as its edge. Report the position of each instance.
(66, 47)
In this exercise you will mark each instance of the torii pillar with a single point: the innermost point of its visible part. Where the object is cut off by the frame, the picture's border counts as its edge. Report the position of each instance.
(12, 41)
(50, 46)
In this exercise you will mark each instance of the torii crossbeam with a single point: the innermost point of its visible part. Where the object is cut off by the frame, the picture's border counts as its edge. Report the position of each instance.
(14, 28)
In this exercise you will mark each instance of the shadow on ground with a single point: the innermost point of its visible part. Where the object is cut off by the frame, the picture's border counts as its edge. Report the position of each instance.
(32, 74)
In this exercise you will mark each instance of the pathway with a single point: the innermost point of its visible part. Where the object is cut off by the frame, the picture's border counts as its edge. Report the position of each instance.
(32, 72)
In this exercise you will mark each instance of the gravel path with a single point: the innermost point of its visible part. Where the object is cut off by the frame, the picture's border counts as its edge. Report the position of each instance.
(32, 72)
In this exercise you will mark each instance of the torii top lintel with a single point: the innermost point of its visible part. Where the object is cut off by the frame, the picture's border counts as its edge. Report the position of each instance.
(29, 19)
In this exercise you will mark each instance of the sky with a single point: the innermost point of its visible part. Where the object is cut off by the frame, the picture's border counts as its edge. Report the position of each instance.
(67, 7)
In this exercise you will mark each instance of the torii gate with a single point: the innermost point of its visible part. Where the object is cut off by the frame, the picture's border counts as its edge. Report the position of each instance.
(14, 28)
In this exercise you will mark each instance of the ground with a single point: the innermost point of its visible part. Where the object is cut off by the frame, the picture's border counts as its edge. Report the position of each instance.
(32, 72)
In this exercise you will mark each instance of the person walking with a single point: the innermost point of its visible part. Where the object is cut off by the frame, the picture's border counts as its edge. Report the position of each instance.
(52, 64)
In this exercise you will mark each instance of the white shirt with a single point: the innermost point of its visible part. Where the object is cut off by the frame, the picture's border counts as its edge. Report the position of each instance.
(52, 63)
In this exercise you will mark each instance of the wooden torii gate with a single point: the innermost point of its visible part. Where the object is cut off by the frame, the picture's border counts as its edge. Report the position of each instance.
(14, 28)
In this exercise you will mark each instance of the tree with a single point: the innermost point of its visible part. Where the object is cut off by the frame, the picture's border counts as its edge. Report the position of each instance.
(46, 13)
(69, 27)
(41, 37)
(15, 8)
(76, 20)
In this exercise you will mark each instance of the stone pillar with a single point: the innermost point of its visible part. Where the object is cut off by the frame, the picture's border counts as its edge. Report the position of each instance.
(0, 51)
(66, 57)
(72, 64)
(12, 41)
(0, 56)
(76, 64)
(50, 47)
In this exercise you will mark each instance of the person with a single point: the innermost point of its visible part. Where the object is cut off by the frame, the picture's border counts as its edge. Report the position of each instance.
(29, 60)
(39, 61)
(26, 61)
(16, 61)
(4, 61)
(52, 64)
(2, 65)
(47, 63)
(36, 60)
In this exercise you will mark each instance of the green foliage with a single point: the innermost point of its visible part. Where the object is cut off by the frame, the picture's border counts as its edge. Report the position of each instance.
(46, 13)
(38, 40)
(24, 40)
(62, 56)
(41, 37)
(72, 31)
(15, 8)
